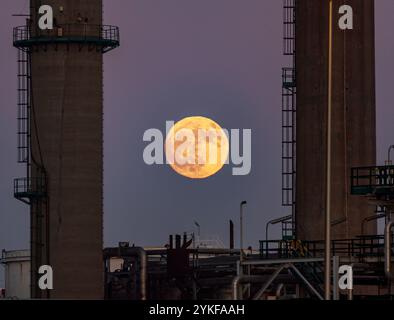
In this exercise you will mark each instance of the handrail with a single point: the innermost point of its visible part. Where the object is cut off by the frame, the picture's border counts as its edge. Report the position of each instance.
(363, 246)
(30, 185)
(378, 176)
(105, 36)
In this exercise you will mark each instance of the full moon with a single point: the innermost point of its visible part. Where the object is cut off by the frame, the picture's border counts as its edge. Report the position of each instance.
(196, 147)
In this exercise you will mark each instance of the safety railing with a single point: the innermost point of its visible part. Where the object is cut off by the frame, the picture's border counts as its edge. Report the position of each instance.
(288, 77)
(104, 35)
(372, 180)
(30, 187)
(361, 247)
(289, 27)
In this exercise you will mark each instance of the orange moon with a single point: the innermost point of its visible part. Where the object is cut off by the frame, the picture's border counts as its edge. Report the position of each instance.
(196, 147)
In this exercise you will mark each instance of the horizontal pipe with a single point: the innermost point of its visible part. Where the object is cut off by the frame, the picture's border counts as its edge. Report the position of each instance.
(279, 220)
(215, 251)
(152, 252)
(281, 261)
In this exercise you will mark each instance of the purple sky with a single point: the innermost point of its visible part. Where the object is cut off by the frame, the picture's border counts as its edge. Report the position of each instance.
(216, 58)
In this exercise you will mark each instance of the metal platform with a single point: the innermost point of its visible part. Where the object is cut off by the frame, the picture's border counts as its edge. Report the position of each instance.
(26, 189)
(361, 249)
(105, 37)
(373, 181)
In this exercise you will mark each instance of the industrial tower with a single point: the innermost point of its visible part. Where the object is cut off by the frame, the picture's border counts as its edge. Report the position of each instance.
(60, 139)
(305, 89)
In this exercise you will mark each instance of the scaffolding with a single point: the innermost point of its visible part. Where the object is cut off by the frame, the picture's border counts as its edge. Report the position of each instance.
(289, 111)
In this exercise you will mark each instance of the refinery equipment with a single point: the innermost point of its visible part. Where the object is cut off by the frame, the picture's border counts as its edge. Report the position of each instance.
(17, 273)
(305, 90)
(60, 139)
(337, 69)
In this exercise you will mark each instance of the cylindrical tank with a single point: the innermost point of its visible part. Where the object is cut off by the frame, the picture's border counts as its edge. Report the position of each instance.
(17, 273)
(353, 116)
(67, 144)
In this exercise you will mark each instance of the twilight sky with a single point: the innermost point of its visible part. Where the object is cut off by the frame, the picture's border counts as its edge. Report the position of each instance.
(216, 58)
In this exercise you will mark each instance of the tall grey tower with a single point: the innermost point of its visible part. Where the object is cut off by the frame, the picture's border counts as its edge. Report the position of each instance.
(60, 115)
(353, 116)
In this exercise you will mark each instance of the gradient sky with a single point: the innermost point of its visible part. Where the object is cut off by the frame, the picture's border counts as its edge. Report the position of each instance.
(216, 58)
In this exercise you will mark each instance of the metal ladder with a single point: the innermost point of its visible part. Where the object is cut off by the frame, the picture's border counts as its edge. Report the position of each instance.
(31, 189)
(24, 107)
(33, 185)
(289, 109)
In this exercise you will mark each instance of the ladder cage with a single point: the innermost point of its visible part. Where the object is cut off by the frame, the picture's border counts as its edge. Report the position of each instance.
(33, 185)
(289, 21)
(289, 91)
(24, 107)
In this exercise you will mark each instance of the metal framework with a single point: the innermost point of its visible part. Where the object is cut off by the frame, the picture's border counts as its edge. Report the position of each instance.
(31, 187)
(102, 37)
(366, 254)
(361, 248)
(289, 91)
(376, 181)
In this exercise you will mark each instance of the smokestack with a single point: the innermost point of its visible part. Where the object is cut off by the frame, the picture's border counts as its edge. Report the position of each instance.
(231, 234)
(177, 241)
(353, 117)
(184, 238)
(63, 151)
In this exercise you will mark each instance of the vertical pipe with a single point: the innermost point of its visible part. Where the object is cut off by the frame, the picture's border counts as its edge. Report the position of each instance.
(144, 272)
(238, 268)
(240, 236)
(184, 239)
(278, 290)
(350, 294)
(236, 288)
(387, 249)
(327, 256)
(389, 163)
(335, 277)
(231, 234)
(177, 241)
(241, 229)
(194, 284)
